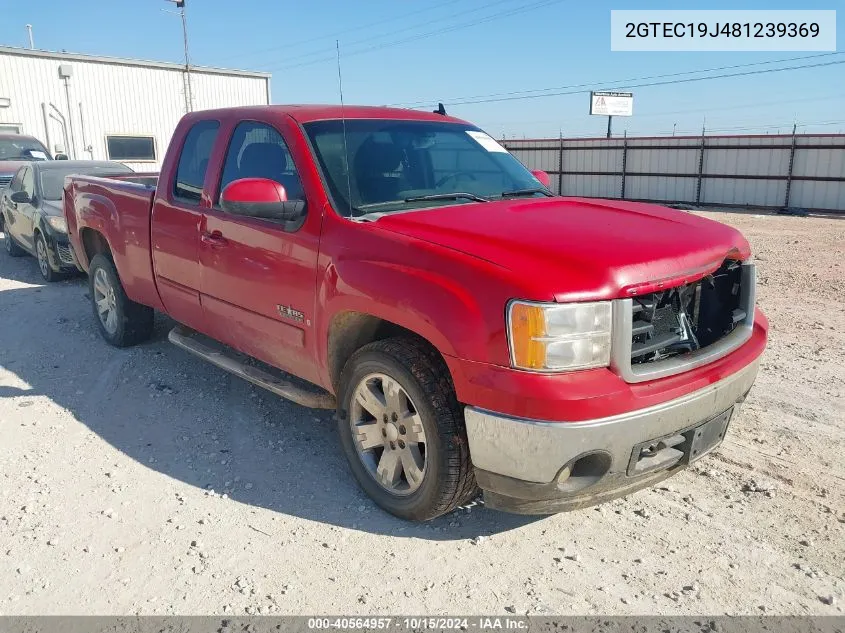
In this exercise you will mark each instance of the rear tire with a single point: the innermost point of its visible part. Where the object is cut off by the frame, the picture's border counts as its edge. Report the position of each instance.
(122, 322)
(404, 370)
(12, 247)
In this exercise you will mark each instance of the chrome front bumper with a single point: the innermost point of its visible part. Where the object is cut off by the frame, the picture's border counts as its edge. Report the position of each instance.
(537, 467)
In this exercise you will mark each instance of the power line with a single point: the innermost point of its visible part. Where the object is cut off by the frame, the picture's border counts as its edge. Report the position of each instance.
(324, 51)
(420, 36)
(745, 105)
(361, 27)
(654, 83)
(458, 100)
(494, 16)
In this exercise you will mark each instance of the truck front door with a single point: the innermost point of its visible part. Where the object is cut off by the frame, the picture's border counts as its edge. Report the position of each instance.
(258, 280)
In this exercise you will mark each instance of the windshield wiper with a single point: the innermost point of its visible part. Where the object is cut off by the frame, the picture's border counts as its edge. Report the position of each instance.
(375, 205)
(434, 196)
(526, 192)
(458, 195)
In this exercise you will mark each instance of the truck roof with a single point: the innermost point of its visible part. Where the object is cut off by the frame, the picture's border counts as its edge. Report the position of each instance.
(306, 113)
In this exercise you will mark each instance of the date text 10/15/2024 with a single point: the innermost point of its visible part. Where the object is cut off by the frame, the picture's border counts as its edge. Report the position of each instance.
(479, 623)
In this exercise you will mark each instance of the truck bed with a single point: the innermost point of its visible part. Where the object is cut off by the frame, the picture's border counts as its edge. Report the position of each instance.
(148, 179)
(118, 209)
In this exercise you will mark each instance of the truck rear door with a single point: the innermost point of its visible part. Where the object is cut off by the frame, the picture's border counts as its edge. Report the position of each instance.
(258, 280)
(176, 220)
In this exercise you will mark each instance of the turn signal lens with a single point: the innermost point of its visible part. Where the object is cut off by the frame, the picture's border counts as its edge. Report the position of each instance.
(559, 337)
(58, 223)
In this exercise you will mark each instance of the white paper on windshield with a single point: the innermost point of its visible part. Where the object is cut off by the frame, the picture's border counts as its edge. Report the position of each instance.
(38, 154)
(486, 141)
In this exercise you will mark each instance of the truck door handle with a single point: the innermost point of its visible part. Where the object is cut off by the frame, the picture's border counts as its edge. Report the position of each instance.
(215, 238)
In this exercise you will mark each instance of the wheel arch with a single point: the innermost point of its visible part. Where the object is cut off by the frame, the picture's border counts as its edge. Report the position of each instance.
(37, 232)
(93, 243)
(350, 330)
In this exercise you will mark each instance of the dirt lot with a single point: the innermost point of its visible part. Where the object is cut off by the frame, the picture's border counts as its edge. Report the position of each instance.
(146, 481)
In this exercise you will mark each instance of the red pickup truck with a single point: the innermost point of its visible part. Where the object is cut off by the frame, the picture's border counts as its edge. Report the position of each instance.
(472, 329)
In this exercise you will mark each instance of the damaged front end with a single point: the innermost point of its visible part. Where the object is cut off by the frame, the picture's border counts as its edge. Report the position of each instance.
(687, 318)
(668, 331)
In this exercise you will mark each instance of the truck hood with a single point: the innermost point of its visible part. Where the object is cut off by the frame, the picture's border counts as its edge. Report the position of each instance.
(574, 249)
(52, 207)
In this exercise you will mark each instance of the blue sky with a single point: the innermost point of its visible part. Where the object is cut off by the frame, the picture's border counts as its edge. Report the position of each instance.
(406, 52)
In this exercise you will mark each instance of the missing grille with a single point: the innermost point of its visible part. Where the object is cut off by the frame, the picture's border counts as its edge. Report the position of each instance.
(687, 318)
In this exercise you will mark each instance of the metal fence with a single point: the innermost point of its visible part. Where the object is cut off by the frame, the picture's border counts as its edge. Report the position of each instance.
(765, 171)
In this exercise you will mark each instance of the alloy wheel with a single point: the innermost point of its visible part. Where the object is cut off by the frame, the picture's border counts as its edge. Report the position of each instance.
(388, 434)
(105, 300)
(41, 255)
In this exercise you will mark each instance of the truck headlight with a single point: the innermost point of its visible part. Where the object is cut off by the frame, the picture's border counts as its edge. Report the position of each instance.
(559, 336)
(58, 223)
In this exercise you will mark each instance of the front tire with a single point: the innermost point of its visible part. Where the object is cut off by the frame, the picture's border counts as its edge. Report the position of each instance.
(122, 322)
(43, 258)
(11, 245)
(402, 430)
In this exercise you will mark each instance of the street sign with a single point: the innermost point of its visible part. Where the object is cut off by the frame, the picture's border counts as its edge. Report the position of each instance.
(612, 103)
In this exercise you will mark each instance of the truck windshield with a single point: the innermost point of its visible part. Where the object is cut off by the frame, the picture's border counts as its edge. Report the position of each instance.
(22, 149)
(396, 165)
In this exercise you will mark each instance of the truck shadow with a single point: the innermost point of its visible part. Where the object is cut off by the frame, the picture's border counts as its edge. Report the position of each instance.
(188, 420)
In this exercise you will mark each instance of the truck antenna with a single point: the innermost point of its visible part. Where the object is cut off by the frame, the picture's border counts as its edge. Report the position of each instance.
(343, 121)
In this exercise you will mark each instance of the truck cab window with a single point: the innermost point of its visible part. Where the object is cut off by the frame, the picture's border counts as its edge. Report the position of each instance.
(258, 150)
(193, 162)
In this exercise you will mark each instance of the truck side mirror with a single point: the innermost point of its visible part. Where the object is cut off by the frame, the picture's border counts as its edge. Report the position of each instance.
(261, 198)
(61, 157)
(20, 197)
(543, 177)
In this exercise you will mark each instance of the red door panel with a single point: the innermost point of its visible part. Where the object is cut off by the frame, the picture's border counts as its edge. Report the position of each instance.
(175, 248)
(178, 215)
(248, 273)
(258, 286)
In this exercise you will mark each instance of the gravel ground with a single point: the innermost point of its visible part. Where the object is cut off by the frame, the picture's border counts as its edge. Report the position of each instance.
(146, 481)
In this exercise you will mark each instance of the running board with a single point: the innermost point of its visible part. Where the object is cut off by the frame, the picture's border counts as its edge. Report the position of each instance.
(192, 341)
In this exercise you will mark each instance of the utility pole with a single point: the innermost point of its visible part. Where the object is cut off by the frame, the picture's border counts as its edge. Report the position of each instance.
(189, 100)
(29, 32)
(609, 122)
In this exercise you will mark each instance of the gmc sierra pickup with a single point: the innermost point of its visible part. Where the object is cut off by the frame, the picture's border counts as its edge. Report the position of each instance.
(471, 329)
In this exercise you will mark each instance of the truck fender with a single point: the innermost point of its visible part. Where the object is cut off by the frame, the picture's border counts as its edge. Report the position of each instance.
(98, 213)
(423, 302)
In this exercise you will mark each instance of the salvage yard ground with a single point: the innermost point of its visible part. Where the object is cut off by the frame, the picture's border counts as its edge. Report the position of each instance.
(146, 481)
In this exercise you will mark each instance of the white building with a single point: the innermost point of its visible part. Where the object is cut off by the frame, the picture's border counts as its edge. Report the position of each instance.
(105, 108)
